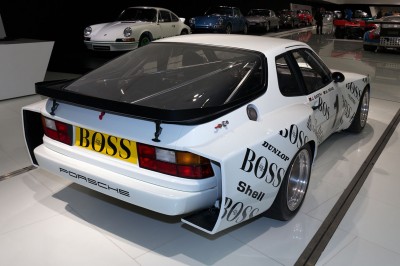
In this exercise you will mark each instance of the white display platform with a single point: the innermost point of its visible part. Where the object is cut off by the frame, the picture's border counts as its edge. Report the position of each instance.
(23, 62)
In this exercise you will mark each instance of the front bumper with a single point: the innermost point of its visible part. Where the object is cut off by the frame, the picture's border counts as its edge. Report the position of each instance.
(156, 198)
(111, 46)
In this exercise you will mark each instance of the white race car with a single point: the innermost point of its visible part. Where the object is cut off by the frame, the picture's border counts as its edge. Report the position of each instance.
(135, 27)
(219, 127)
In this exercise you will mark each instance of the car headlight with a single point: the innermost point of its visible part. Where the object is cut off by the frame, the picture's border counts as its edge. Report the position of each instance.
(87, 31)
(127, 32)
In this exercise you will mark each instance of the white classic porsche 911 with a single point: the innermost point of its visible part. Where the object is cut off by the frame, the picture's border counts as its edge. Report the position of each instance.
(135, 27)
(216, 128)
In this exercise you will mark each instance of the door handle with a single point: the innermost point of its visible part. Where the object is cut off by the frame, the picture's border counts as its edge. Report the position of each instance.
(315, 107)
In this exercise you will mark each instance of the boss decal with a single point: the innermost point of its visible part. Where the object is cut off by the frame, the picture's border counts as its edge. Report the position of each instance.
(237, 212)
(95, 183)
(354, 90)
(347, 110)
(249, 191)
(294, 135)
(262, 169)
(275, 151)
(323, 108)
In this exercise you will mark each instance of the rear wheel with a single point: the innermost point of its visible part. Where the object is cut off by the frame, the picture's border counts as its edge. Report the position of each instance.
(360, 118)
(184, 32)
(245, 29)
(294, 187)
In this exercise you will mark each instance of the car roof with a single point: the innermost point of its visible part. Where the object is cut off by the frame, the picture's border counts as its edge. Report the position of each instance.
(250, 42)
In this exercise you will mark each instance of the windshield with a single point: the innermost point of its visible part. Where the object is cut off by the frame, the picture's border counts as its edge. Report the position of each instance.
(220, 11)
(174, 76)
(138, 14)
(259, 12)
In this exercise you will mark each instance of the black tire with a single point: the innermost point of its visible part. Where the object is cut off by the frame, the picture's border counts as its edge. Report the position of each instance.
(360, 118)
(184, 32)
(144, 40)
(369, 48)
(245, 29)
(268, 27)
(294, 186)
(228, 29)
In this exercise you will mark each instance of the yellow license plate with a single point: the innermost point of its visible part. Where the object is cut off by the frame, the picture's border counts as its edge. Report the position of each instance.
(119, 148)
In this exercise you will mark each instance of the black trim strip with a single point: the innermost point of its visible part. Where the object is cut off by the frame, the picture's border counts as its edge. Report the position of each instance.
(17, 172)
(322, 237)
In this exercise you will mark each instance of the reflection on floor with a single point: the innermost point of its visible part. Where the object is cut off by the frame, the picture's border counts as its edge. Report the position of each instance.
(46, 220)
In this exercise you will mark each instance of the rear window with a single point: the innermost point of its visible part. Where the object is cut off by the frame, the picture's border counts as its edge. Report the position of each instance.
(174, 76)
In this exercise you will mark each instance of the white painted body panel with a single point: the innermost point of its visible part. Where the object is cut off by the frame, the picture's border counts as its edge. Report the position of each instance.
(249, 158)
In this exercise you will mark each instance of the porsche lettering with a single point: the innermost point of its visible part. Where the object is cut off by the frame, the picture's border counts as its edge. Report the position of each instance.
(95, 183)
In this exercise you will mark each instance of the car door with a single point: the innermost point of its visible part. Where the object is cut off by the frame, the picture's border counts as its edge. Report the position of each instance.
(302, 73)
(168, 27)
(322, 93)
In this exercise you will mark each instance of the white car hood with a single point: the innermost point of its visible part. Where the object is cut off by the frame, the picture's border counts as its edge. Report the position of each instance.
(111, 31)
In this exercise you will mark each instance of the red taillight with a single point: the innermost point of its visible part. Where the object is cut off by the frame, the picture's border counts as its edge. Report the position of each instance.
(177, 163)
(57, 130)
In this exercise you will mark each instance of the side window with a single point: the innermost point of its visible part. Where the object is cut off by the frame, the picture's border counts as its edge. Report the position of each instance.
(288, 84)
(174, 17)
(165, 16)
(315, 74)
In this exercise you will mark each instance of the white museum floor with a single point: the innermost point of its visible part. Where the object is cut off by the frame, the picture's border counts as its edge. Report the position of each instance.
(46, 220)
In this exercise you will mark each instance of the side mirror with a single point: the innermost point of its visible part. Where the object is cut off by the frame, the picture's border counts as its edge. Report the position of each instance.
(337, 77)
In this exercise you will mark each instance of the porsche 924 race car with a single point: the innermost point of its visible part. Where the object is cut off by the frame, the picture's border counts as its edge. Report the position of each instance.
(216, 128)
(134, 27)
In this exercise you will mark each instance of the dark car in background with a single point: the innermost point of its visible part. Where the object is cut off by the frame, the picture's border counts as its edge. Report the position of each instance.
(220, 19)
(262, 19)
(288, 18)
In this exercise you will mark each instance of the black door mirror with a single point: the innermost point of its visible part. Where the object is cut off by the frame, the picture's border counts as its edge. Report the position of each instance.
(337, 77)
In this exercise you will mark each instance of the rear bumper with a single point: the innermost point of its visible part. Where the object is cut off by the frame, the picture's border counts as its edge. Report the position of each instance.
(156, 198)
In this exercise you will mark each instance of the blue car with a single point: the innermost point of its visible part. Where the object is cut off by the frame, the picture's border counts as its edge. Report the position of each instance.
(222, 19)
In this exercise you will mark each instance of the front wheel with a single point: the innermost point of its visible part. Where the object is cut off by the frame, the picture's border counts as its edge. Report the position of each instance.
(360, 118)
(228, 29)
(144, 40)
(294, 187)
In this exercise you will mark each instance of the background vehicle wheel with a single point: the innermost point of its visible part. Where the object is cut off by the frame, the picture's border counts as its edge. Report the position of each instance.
(360, 118)
(292, 25)
(228, 29)
(277, 28)
(245, 29)
(144, 39)
(267, 28)
(370, 48)
(294, 186)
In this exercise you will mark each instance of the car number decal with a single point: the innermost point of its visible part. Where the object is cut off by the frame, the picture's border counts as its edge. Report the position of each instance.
(116, 147)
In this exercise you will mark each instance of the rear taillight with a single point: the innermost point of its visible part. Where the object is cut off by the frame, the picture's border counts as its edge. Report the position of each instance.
(57, 130)
(177, 163)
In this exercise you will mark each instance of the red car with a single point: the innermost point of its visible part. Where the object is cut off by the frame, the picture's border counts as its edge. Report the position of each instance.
(305, 17)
